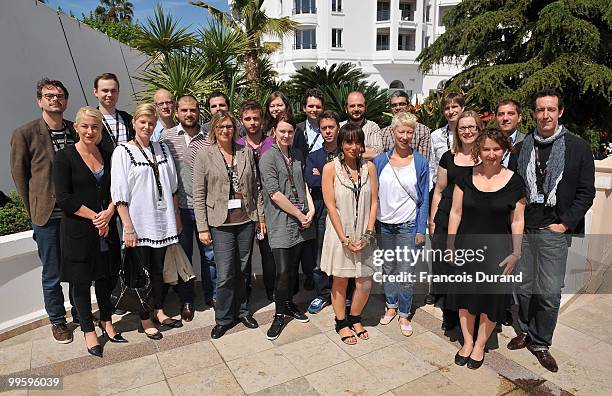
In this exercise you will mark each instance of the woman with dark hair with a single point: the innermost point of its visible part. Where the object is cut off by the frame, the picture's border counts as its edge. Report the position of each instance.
(228, 207)
(487, 216)
(289, 213)
(90, 243)
(276, 103)
(350, 193)
(454, 165)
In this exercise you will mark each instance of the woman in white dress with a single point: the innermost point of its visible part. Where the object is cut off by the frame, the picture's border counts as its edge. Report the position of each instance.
(143, 187)
(350, 192)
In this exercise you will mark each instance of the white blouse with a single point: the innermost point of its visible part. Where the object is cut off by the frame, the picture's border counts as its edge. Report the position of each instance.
(133, 184)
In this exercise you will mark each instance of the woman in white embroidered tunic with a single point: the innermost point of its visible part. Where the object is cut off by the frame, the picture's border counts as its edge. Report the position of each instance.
(143, 187)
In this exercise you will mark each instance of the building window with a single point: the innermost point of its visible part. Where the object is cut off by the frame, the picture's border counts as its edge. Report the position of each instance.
(305, 7)
(336, 38)
(426, 43)
(306, 39)
(428, 14)
(442, 13)
(405, 40)
(337, 5)
(406, 9)
(383, 11)
(383, 39)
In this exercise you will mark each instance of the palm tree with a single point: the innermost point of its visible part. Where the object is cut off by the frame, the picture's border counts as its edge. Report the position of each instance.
(117, 10)
(248, 17)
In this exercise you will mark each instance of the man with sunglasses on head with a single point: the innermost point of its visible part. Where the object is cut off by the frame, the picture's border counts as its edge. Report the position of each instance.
(33, 148)
(117, 123)
(400, 102)
(165, 107)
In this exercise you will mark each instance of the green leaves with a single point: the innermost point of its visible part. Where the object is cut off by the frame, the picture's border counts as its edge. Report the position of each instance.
(13, 216)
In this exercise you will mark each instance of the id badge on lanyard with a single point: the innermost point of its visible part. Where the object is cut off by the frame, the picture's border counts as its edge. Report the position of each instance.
(160, 204)
(234, 203)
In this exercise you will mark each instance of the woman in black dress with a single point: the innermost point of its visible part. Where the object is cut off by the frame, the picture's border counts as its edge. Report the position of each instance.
(486, 215)
(89, 238)
(455, 164)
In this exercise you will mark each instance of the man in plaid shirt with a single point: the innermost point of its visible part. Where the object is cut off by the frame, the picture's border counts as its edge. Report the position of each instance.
(400, 102)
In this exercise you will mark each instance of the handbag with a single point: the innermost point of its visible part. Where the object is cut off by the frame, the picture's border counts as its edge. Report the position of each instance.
(133, 291)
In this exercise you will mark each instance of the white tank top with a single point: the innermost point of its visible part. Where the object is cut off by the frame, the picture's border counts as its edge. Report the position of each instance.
(395, 205)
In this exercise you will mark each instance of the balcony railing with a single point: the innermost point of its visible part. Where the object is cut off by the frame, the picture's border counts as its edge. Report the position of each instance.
(383, 15)
(304, 46)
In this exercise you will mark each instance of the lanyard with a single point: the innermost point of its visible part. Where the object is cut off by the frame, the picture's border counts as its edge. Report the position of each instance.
(230, 171)
(447, 138)
(114, 136)
(288, 161)
(310, 146)
(542, 172)
(53, 141)
(356, 187)
(154, 165)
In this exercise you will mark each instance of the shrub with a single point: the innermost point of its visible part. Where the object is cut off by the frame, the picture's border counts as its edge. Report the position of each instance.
(13, 216)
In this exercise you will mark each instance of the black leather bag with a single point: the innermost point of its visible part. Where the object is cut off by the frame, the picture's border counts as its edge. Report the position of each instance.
(133, 291)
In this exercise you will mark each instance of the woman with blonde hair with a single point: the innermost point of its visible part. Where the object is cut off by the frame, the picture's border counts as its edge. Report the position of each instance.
(143, 187)
(90, 243)
(228, 206)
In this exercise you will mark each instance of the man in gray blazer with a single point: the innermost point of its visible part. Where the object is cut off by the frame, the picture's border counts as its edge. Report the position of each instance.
(508, 115)
(33, 148)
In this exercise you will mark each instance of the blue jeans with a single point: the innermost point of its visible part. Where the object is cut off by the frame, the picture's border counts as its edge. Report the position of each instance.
(207, 257)
(232, 245)
(398, 295)
(543, 261)
(321, 279)
(47, 240)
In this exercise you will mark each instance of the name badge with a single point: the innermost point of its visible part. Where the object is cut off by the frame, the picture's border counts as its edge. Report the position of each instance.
(234, 204)
(161, 204)
(540, 198)
(299, 205)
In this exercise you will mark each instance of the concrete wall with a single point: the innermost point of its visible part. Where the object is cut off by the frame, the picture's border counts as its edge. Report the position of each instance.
(36, 42)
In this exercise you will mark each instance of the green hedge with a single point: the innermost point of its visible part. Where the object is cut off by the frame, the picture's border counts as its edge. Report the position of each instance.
(13, 216)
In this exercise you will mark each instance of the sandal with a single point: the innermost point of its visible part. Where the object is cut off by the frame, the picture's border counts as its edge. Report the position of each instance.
(354, 319)
(386, 319)
(406, 330)
(342, 324)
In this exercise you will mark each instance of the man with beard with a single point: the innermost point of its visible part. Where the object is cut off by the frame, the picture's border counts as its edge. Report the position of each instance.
(33, 147)
(184, 142)
(164, 104)
(118, 126)
(508, 116)
(356, 108)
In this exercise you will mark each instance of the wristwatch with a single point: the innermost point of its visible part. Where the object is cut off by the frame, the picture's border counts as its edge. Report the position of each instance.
(347, 241)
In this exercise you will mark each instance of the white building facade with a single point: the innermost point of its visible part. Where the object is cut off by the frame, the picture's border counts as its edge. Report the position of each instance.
(382, 37)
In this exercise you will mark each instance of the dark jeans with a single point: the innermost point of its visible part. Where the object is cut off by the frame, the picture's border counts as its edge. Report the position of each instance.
(322, 281)
(398, 295)
(47, 240)
(207, 258)
(232, 246)
(82, 298)
(153, 260)
(267, 264)
(543, 261)
(287, 264)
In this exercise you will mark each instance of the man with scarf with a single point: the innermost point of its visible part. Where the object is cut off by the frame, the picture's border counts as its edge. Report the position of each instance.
(559, 174)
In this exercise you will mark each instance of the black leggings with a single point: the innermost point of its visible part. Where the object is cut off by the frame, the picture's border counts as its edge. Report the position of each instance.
(153, 260)
(287, 264)
(81, 294)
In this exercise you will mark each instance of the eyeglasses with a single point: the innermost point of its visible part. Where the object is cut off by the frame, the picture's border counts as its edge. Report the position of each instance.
(50, 96)
(466, 128)
(162, 104)
(400, 104)
(229, 127)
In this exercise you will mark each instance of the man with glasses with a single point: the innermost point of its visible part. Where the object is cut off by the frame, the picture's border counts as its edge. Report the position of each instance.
(185, 141)
(164, 104)
(117, 123)
(400, 102)
(33, 147)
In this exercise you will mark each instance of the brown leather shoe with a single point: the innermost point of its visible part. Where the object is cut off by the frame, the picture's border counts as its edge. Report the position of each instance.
(546, 360)
(187, 312)
(518, 342)
(61, 333)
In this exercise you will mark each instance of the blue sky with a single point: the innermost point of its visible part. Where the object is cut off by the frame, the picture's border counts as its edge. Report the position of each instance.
(144, 8)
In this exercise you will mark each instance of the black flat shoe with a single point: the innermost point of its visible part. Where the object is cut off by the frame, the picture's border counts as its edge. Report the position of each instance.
(154, 336)
(474, 364)
(118, 338)
(249, 322)
(95, 350)
(169, 323)
(461, 360)
(219, 330)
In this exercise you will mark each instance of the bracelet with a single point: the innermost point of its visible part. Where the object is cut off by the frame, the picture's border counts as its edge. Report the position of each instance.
(129, 232)
(515, 255)
(347, 241)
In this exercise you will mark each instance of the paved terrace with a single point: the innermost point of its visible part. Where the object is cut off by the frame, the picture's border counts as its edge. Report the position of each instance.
(310, 359)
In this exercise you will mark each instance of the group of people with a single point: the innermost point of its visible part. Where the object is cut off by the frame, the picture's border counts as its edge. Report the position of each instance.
(321, 194)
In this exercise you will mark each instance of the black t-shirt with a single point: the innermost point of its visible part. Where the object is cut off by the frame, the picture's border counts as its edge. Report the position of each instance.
(540, 215)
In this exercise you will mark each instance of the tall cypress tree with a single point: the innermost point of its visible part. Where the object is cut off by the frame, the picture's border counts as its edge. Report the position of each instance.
(513, 48)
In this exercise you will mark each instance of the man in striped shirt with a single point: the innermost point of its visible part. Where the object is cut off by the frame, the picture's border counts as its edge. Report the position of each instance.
(184, 142)
(356, 109)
